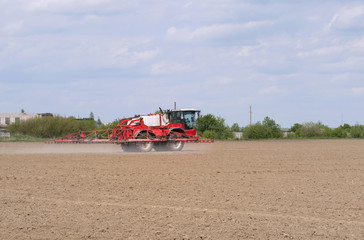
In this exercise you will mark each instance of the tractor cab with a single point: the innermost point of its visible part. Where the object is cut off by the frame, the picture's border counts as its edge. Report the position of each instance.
(186, 117)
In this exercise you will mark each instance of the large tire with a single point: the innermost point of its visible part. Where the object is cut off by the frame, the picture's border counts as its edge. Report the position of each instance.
(175, 145)
(144, 146)
(128, 147)
(160, 146)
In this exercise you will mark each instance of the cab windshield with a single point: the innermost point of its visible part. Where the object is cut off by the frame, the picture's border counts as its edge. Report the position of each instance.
(187, 118)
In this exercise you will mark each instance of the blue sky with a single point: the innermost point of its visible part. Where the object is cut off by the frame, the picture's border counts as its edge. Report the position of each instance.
(294, 61)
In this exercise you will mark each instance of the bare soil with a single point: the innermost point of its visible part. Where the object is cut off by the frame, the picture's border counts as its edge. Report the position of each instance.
(294, 189)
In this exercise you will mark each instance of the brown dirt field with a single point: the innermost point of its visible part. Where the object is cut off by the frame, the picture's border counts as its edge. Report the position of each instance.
(294, 189)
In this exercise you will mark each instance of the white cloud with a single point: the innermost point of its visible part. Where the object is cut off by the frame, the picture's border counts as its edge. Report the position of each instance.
(218, 81)
(13, 27)
(171, 31)
(347, 17)
(188, 4)
(246, 51)
(168, 67)
(328, 27)
(269, 90)
(225, 80)
(223, 29)
(48, 53)
(51, 5)
(324, 51)
(126, 58)
(359, 43)
(78, 6)
(144, 55)
(358, 91)
(214, 30)
(313, 18)
(346, 64)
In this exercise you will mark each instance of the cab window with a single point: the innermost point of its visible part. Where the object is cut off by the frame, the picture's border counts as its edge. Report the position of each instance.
(189, 120)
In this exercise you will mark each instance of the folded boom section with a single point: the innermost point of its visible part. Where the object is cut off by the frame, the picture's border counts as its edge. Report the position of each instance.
(123, 135)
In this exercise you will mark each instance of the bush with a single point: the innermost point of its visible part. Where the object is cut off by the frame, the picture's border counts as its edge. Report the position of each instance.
(339, 133)
(291, 135)
(50, 127)
(267, 129)
(295, 127)
(310, 130)
(215, 127)
(357, 131)
(326, 131)
(255, 131)
(235, 128)
(274, 128)
(208, 134)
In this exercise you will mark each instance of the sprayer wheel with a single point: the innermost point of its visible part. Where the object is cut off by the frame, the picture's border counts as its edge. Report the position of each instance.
(144, 146)
(128, 147)
(160, 147)
(175, 145)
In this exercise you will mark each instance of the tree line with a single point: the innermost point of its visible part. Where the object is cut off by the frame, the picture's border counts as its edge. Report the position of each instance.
(208, 126)
(51, 127)
(214, 127)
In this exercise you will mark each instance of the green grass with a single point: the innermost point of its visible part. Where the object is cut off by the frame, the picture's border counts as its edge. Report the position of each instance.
(22, 138)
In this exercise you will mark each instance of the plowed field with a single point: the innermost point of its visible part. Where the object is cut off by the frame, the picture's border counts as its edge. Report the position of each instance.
(294, 189)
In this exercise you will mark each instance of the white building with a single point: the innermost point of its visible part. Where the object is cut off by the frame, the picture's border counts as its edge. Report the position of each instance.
(8, 118)
(286, 132)
(238, 134)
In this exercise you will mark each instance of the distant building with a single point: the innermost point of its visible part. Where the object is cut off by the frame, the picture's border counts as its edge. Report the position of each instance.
(8, 118)
(286, 132)
(238, 134)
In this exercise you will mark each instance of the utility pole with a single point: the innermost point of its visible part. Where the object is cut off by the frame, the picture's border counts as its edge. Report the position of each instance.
(250, 115)
(175, 105)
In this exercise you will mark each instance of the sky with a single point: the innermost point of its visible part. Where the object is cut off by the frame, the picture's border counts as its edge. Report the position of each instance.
(294, 61)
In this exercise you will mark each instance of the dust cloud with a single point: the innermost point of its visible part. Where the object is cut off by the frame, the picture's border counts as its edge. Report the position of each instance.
(42, 148)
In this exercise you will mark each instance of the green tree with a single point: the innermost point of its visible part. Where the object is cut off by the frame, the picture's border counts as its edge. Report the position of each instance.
(98, 122)
(275, 129)
(295, 127)
(50, 127)
(326, 131)
(235, 127)
(208, 134)
(255, 131)
(214, 125)
(267, 129)
(311, 129)
(357, 131)
(346, 126)
(339, 132)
